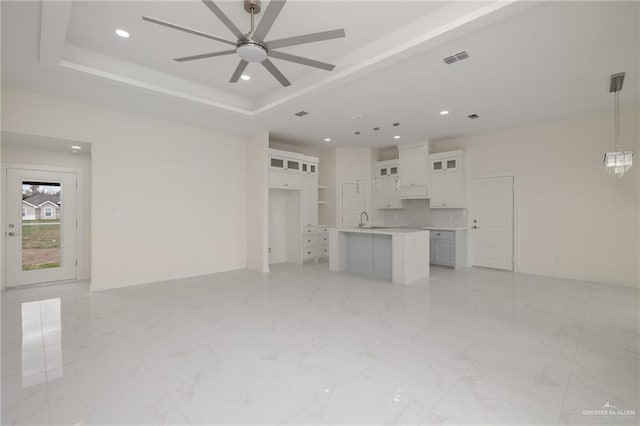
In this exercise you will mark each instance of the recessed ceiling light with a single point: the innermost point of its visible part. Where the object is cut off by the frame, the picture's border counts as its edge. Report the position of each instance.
(327, 139)
(445, 112)
(122, 33)
(76, 147)
(245, 77)
(396, 137)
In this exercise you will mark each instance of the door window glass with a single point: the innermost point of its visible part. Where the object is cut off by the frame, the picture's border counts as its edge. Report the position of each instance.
(41, 213)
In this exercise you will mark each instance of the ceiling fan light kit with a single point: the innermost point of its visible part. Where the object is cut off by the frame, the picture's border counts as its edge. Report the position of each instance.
(252, 47)
(251, 51)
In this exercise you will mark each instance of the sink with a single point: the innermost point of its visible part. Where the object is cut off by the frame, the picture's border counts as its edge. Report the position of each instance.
(376, 227)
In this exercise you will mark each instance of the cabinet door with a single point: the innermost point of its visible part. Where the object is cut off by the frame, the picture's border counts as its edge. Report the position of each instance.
(389, 193)
(309, 201)
(384, 192)
(437, 166)
(452, 188)
(444, 252)
(414, 165)
(451, 164)
(277, 163)
(294, 165)
(438, 197)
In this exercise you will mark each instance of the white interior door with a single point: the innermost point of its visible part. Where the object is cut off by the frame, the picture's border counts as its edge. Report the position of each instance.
(41, 226)
(353, 203)
(492, 222)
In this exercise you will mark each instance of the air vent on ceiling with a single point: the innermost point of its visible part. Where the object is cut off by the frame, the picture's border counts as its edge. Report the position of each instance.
(301, 113)
(455, 58)
(473, 116)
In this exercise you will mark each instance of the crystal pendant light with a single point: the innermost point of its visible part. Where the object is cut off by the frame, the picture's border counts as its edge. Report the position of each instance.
(617, 163)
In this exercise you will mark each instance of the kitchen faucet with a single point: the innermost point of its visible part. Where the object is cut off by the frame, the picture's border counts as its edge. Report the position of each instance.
(361, 224)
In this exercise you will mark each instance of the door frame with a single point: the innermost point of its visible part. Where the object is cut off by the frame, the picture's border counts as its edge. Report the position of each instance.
(79, 212)
(516, 216)
(367, 200)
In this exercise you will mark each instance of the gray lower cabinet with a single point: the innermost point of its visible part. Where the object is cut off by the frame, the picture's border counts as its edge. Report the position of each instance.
(447, 248)
(369, 254)
(445, 253)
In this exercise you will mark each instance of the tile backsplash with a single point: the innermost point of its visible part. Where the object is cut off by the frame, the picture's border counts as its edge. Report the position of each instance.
(417, 214)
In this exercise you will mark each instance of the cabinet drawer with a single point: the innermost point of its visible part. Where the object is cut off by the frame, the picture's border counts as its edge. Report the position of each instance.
(309, 241)
(309, 253)
(322, 230)
(322, 239)
(443, 235)
(323, 251)
(308, 230)
(284, 180)
(413, 191)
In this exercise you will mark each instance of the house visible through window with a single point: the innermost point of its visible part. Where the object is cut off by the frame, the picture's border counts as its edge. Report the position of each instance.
(24, 211)
(48, 212)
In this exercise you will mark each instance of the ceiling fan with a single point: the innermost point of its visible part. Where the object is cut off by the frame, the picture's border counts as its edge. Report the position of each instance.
(252, 47)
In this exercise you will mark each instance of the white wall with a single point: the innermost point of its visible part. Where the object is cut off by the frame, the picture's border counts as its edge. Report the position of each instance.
(14, 151)
(568, 207)
(305, 150)
(137, 161)
(353, 164)
(257, 206)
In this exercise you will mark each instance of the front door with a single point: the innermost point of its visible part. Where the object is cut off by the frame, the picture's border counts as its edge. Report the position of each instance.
(40, 234)
(492, 222)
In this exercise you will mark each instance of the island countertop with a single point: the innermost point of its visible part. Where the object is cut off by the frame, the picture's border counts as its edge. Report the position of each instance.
(380, 231)
(399, 254)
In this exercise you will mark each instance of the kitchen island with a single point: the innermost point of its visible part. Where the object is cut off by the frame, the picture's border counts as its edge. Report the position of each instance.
(398, 254)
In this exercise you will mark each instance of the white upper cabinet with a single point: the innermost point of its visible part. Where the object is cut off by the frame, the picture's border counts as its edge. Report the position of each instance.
(388, 185)
(389, 193)
(447, 180)
(414, 171)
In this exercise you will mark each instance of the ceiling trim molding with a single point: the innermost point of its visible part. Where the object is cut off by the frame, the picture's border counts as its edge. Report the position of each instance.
(54, 20)
(403, 43)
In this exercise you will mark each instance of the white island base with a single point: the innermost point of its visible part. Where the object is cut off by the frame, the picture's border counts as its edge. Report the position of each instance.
(401, 255)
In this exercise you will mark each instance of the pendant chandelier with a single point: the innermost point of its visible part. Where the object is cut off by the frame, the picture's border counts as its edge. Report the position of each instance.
(617, 163)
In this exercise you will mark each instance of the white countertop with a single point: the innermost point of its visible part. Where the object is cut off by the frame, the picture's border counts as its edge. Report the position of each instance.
(444, 228)
(379, 231)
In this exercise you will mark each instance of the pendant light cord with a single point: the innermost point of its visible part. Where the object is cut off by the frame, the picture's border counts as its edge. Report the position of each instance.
(617, 113)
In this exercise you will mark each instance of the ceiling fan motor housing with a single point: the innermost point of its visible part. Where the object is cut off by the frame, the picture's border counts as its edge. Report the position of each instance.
(251, 51)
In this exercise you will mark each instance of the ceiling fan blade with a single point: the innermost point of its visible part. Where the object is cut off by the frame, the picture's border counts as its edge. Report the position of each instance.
(187, 30)
(225, 20)
(269, 17)
(204, 55)
(306, 38)
(239, 70)
(275, 72)
(301, 60)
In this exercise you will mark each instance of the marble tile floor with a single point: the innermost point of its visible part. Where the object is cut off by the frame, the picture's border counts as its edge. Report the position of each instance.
(302, 345)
